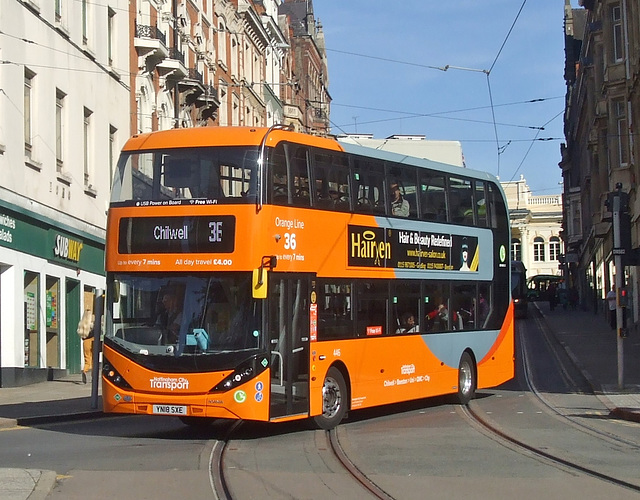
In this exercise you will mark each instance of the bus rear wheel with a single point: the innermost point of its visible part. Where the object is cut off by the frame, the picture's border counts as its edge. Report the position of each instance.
(334, 400)
(466, 379)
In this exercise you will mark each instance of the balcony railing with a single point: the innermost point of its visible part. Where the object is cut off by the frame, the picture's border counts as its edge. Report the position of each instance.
(546, 200)
(143, 31)
(209, 97)
(176, 54)
(194, 74)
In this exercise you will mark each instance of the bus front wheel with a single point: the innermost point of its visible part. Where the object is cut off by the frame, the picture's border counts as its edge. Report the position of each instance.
(466, 379)
(334, 400)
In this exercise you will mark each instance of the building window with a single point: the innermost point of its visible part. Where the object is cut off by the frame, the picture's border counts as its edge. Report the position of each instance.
(85, 22)
(29, 77)
(86, 146)
(554, 248)
(616, 29)
(575, 211)
(516, 249)
(113, 154)
(59, 130)
(622, 131)
(111, 21)
(538, 249)
(52, 321)
(58, 10)
(234, 58)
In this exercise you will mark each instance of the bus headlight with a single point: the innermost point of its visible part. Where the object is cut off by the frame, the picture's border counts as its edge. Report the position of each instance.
(243, 373)
(112, 375)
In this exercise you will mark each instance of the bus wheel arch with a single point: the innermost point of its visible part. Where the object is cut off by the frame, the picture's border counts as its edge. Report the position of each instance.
(335, 397)
(467, 377)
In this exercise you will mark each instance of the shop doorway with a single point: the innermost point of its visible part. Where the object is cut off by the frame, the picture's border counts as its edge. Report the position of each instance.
(72, 317)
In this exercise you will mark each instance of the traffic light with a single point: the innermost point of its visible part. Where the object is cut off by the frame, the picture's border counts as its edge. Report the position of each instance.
(623, 297)
(623, 249)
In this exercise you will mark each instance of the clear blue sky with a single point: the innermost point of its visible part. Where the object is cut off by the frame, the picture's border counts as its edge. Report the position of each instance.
(381, 78)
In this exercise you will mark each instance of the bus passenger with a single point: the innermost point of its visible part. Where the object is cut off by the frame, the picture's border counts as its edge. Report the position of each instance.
(409, 324)
(441, 316)
(171, 317)
(399, 206)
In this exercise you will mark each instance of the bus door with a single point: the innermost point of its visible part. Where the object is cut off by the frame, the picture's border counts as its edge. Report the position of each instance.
(289, 344)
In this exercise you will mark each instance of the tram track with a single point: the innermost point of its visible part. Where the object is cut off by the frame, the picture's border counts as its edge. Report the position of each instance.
(493, 432)
(576, 422)
(354, 471)
(486, 426)
(222, 490)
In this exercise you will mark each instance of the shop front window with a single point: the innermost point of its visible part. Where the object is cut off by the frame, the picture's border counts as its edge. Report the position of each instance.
(52, 319)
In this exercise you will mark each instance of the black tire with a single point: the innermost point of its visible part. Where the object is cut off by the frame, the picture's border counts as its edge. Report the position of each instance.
(334, 400)
(466, 379)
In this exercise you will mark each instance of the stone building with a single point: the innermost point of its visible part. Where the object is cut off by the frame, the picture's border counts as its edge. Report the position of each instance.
(228, 63)
(307, 98)
(602, 54)
(79, 77)
(536, 223)
(64, 113)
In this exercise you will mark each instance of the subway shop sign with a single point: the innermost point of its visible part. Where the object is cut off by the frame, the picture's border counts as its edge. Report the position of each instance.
(66, 248)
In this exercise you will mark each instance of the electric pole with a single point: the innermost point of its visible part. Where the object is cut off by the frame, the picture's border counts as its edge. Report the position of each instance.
(618, 203)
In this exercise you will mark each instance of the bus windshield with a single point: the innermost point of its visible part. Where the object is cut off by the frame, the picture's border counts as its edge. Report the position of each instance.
(171, 176)
(184, 315)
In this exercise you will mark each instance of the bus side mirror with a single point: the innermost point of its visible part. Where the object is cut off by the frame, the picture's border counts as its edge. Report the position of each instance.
(259, 280)
(259, 284)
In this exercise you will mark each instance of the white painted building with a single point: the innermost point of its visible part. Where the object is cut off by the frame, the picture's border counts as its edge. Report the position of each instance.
(64, 115)
(536, 222)
(449, 152)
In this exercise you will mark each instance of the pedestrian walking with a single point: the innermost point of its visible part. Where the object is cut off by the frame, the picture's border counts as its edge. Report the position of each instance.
(563, 297)
(611, 300)
(552, 296)
(85, 331)
(573, 298)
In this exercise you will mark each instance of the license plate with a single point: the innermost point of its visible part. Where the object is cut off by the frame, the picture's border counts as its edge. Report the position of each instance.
(169, 410)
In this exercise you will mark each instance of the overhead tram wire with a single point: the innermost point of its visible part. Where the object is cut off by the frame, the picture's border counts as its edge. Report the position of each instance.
(531, 145)
(385, 59)
(488, 73)
(463, 110)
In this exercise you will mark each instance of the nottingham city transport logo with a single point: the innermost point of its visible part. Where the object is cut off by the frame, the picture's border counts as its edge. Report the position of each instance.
(170, 383)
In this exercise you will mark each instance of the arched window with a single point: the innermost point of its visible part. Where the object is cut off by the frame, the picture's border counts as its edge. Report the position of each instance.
(554, 248)
(538, 249)
(516, 249)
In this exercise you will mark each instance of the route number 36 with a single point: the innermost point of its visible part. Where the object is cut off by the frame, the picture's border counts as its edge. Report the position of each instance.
(290, 241)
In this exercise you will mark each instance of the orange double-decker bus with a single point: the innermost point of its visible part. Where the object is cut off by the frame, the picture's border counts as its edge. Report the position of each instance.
(263, 274)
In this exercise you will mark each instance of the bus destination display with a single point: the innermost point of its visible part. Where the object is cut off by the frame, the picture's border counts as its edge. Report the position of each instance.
(177, 235)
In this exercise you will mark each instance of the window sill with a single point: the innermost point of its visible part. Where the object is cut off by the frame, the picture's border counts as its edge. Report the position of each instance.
(62, 29)
(64, 178)
(90, 191)
(31, 163)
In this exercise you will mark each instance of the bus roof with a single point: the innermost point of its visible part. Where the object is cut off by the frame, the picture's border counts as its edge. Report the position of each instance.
(221, 136)
(252, 136)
